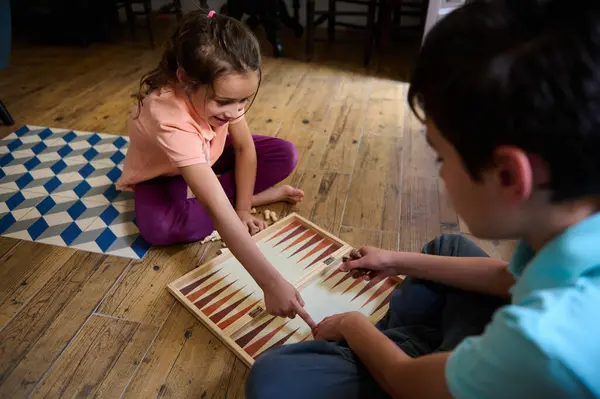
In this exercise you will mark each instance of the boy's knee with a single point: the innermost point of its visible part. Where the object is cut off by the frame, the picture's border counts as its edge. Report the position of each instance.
(264, 380)
(453, 245)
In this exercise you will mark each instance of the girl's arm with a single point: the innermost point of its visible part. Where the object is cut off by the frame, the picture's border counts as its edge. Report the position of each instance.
(281, 298)
(245, 164)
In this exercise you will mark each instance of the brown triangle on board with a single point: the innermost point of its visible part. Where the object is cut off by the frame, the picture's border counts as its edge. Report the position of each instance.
(255, 347)
(225, 311)
(387, 284)
(189, 288)
(229, 321)
(294, 233)
(284, 230)
(210, 309)
(203, 290)
(249, 336)
(322, 245)
(281, 341)
(208, 299)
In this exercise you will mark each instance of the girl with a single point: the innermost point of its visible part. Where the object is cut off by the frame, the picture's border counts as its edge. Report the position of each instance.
(187, 171)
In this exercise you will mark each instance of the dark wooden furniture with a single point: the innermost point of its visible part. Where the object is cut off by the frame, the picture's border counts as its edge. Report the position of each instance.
(5, 46)
(381, 16)
(315, 18)
(269, 13)
(134, 8)
(73, 22)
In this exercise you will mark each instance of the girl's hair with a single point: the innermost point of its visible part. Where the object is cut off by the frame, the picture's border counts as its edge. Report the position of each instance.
(205, 48)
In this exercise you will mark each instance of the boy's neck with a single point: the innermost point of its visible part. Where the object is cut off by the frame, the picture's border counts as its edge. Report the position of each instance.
(558, 218)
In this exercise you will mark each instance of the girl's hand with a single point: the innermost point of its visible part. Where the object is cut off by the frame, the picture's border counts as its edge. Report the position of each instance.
(331, 328)
(371, 264)
(254, 225)
(283, 300)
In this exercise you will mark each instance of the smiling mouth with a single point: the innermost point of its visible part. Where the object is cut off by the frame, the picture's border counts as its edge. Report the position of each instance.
(221, 119)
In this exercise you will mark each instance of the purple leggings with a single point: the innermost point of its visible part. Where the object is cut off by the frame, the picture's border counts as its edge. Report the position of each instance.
(166, 216)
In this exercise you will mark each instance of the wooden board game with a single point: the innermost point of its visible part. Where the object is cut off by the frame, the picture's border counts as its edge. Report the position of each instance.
(223, 295)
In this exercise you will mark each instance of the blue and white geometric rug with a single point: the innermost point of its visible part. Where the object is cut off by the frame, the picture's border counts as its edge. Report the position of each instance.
(57, 186)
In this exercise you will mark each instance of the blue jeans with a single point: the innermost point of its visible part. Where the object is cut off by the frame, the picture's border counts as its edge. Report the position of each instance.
(424, 317)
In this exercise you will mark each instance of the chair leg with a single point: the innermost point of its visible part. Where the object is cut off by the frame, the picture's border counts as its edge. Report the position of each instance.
(150, 27)
(297, 10)
(382, 23)
(287, 20)
(130, 17)
(310, 29)
(370, 31)
(178, 13)
(5, 115)
(331, 21)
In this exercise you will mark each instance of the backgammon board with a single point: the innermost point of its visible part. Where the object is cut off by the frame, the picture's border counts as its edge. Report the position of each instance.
(223, 295)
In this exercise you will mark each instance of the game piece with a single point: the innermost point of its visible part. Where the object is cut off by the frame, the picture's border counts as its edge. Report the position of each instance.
(227, 300)
(253, 211)
(359, 272)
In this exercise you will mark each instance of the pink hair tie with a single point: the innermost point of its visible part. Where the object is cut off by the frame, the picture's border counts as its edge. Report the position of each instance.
(211, 14)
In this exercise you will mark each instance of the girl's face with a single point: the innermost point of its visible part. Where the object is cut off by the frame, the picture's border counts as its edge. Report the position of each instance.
(227, 99)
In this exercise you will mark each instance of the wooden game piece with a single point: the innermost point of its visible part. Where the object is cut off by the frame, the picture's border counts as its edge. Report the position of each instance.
(253, 211)
(266, 214)
(227, 300)
(358, 272)
(207, 238)
(273, 216)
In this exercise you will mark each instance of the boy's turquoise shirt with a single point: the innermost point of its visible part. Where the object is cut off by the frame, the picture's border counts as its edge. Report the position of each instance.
(546, 343)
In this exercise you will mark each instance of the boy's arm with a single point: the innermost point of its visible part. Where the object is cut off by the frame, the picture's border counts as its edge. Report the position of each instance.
(484, 275)
(245, 164)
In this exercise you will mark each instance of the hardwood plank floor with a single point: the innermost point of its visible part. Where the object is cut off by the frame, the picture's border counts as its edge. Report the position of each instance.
(79, 324)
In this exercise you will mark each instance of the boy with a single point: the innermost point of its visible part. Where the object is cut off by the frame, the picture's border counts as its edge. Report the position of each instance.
(510, 90)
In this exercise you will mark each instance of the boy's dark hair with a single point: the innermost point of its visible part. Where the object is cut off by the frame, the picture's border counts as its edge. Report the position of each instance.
(518, 72)
(206, 48)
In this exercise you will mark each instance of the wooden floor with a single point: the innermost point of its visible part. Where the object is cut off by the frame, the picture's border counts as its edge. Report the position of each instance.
(81, 324)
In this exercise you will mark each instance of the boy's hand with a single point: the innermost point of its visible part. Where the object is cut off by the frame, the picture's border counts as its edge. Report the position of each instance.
(283, 300)
(372, 263)
(331, 328)
(253, 224)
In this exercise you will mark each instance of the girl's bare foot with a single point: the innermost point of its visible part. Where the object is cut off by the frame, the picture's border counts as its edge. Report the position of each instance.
(277, 194)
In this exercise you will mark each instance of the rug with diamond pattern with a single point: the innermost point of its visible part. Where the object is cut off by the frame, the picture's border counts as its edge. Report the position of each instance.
(57, 186)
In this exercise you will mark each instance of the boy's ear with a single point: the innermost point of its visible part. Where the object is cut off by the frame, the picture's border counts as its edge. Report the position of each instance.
(181, 76)
(515, 173)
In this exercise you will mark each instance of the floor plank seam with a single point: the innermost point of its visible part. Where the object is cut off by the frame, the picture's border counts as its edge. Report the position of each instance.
(360, 139)
(107, 316)
(369, 230)
(161, 392)
(60, 355)
(24, 305)
(404, 165)
(112, 287)
(62, 352)
(11, 250)
(158, 330)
